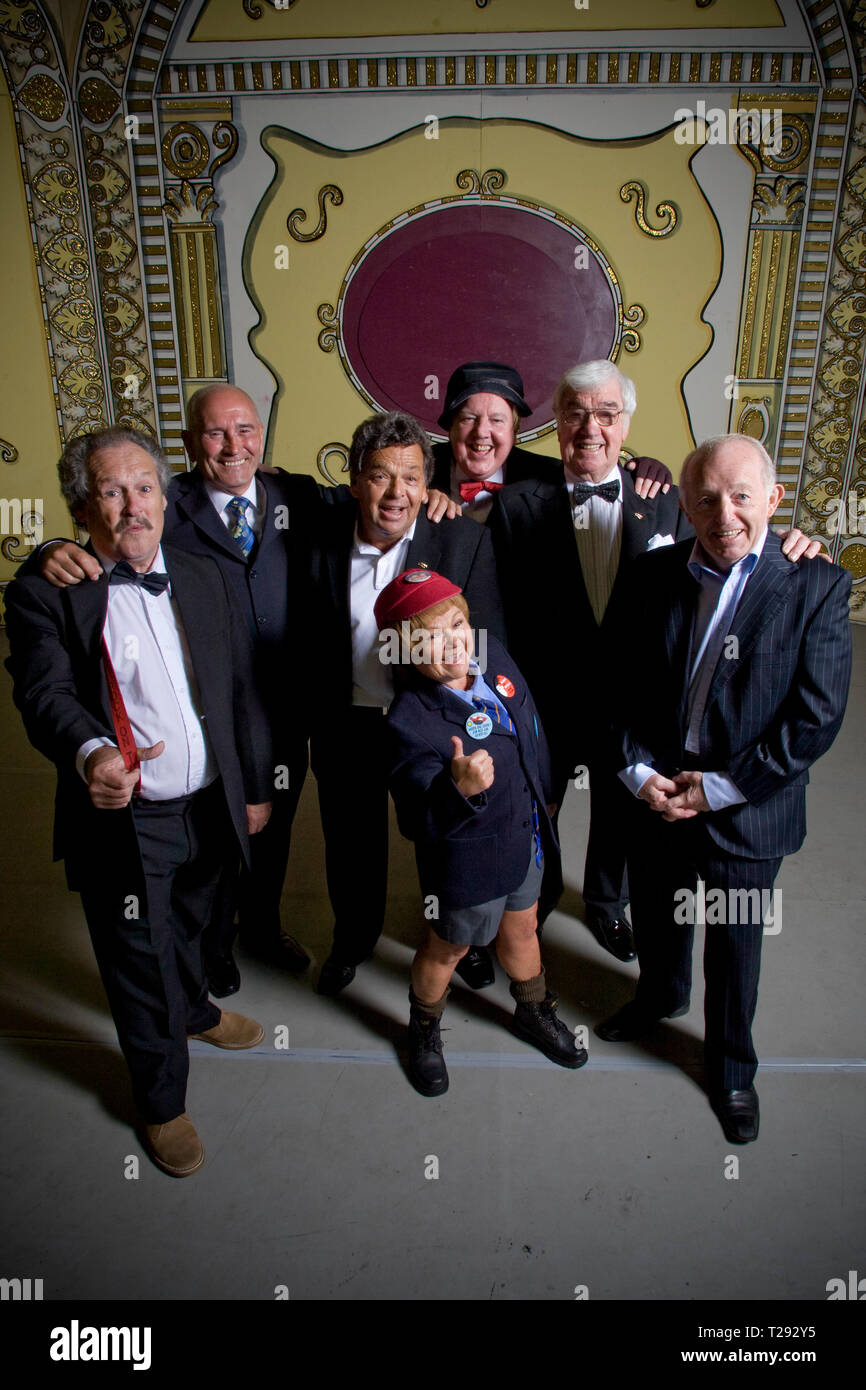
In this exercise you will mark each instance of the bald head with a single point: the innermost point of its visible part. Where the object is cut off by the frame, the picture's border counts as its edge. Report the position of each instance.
(728, 492)
(224, 436)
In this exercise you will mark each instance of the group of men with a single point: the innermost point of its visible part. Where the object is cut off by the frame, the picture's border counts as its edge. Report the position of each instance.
(171, 642)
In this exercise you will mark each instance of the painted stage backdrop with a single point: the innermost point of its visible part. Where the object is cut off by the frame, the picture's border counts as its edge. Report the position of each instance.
(333, 205)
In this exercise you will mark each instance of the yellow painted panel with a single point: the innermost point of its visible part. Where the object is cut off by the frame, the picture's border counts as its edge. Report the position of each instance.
(225, 21)
(671, 277)
(28, 419)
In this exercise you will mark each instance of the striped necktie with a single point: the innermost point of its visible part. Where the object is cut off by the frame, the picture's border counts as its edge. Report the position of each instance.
(239, 528)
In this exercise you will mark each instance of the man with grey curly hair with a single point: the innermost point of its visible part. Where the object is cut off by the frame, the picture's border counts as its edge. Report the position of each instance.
(140, 688)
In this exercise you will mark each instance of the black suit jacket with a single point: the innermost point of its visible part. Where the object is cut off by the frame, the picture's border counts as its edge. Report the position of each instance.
(459, 549)
(521, 466)
(469, 851)
(61, 691)
(774, 705)
(566, 656)
(271, 584)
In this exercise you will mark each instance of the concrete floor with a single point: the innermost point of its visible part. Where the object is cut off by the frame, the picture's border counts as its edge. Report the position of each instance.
(320, 1159)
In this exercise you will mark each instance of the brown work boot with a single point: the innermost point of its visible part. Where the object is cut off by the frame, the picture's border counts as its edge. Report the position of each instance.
(233, 1031)
(175, 1146)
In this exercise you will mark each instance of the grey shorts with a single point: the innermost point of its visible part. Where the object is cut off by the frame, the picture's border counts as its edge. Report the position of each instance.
(478, 925)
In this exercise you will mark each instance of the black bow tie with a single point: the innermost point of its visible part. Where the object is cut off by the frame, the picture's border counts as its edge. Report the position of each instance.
(123, 573)
(583, 491)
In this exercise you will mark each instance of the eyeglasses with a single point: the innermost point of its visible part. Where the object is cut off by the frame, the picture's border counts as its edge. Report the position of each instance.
(578, 418)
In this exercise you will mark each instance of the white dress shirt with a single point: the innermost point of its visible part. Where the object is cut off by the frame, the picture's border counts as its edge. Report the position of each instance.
(598, 531)
(150, 655)
(255, 511)
(369, 572)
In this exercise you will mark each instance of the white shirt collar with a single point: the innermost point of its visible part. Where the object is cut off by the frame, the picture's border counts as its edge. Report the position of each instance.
(158, 566)
(221, 499)
(612, 477)
(365, 548)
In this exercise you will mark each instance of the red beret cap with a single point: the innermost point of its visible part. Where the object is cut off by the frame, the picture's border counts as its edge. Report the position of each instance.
(410, 593)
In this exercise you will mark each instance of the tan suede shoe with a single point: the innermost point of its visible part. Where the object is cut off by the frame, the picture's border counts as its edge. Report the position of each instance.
(175, 1146)
(233, 1031)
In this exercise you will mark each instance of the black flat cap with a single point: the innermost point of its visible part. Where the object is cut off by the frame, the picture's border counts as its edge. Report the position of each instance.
(476, 377)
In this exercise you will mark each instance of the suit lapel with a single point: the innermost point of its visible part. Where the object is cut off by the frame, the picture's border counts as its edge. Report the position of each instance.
(638, 522)
(549, 506)
(192, 501)
(87, 604)
(425, 547)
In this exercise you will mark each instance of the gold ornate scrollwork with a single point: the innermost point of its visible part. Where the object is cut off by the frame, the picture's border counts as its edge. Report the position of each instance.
(185, 151)
(252, 9)
(329, 192)
(225, 137)
(669, 211)
(322, 460)
(634, 316)
(469, 181)
(786, 149)
(8, 452)
(491, 181)
(329, 334)
(30, 535)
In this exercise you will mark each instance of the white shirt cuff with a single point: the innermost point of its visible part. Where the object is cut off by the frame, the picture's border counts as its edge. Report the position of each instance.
(85, 751)
(635, 776)
(720, 791)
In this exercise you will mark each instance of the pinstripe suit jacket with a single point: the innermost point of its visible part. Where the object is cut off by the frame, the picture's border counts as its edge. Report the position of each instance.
(774, 705)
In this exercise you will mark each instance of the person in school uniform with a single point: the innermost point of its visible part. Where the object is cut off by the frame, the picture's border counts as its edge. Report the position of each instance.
(470, 778)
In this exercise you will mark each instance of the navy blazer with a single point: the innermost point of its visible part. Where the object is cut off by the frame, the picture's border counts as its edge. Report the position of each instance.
(469, 852)
(459, 549)
(774, 705)
(520, 466)
(60, 688)
(569, 660)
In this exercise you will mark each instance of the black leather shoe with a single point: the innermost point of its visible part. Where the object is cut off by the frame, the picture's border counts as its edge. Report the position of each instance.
(223, 976)
(476, 968)
(540, 1025)
(613, 933)
(334, 976)
(427, 1070)
(283, 951)
(738, 1113)
(631, 1022)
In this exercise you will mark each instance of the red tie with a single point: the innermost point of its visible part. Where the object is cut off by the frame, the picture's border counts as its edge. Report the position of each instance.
(469, 491)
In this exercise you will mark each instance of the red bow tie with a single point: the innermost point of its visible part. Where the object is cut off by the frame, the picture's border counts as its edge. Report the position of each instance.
(469, 491)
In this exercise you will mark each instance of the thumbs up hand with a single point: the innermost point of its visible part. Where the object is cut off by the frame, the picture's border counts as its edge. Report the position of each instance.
(474, 774)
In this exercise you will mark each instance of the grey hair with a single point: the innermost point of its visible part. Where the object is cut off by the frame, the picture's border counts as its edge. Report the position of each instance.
(588, 374)
(708, 448)
(384, 431)
(74, 466)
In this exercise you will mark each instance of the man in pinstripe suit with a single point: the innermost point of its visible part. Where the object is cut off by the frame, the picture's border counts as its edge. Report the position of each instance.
(745, 662)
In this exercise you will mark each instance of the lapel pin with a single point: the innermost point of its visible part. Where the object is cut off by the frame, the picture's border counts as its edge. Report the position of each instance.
(638, 516)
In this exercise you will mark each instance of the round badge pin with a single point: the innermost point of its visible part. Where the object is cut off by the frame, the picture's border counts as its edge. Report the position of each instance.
(504, 687)
(479, 725)
(416, 576)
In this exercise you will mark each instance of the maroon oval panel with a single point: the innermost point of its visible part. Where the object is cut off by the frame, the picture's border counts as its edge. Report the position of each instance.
(481, 282)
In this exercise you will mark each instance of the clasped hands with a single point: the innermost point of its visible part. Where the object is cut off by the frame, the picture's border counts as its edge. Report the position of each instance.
(675, 798)
(111, 785)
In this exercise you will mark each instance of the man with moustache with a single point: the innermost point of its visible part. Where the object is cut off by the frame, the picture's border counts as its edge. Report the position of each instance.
(744, 662)
(361, 544)
(140, 689)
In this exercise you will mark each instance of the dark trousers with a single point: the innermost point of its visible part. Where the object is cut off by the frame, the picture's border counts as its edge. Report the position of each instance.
(252, 896)
(605, 885)
(665, 860)
(149, 953)
(349, 759)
